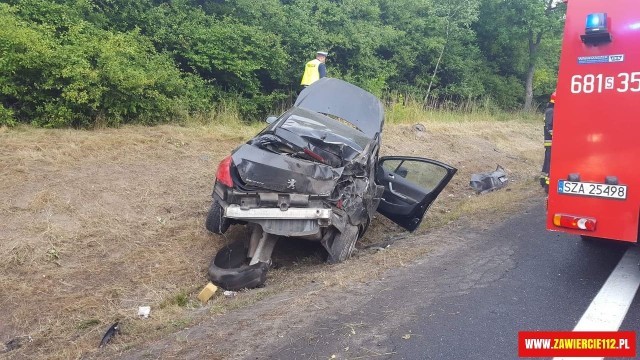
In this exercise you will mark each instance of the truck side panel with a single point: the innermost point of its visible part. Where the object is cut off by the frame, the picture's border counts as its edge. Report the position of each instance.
(597, 119)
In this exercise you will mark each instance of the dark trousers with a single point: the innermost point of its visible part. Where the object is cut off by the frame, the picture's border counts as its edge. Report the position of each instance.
(547, 160)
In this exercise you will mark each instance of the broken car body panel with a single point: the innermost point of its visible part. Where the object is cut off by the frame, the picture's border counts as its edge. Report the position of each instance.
(266, 170)
(346, 101)
(314, 172)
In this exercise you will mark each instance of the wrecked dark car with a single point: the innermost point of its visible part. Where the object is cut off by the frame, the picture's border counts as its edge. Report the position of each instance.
(314, 173)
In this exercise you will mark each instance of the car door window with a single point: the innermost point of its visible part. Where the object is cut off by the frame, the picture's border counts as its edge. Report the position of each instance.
(423, 174)
(411, 184)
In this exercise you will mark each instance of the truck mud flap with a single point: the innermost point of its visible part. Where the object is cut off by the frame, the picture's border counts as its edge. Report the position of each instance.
(229, 271)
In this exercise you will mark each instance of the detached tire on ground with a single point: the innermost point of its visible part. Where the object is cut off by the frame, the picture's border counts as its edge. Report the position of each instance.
(340, 245)
(216, 222)
(229, 271)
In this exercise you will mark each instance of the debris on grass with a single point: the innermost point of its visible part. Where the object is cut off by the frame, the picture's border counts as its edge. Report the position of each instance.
(111, 332)
(489, 181)
(419, 128)
(228, 293)
(144, 311)
(207, 292)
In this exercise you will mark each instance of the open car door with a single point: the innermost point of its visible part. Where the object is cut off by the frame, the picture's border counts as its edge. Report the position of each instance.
(411, 184)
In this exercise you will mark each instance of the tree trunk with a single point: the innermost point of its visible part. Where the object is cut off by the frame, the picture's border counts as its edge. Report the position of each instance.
(433, 76)
(534, 44)
(528, 99)
(435, 71)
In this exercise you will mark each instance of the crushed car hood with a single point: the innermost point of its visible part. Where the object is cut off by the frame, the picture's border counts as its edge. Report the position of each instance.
(336, 97)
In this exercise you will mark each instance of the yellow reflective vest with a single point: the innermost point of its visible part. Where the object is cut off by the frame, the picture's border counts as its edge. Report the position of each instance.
(311, 72)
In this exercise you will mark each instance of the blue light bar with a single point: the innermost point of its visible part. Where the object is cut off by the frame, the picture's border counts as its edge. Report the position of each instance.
(596, 22)
(596, 31)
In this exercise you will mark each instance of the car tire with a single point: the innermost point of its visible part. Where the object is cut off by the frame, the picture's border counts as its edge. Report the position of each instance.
(228, 269)
(342, 244)
(216, 222)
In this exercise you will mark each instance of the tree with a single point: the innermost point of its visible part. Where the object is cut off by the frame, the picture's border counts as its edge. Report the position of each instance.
(512, 36)
(542, 18)
(75, 62)
(456, 15)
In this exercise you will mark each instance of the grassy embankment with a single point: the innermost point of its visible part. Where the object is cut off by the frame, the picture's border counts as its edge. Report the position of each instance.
(96, 223)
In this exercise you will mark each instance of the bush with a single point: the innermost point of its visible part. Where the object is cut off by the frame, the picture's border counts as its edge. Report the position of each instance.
(77, 76)
(6, 116)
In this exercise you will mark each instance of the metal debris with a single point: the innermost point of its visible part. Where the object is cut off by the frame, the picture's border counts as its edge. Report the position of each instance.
(485, 182)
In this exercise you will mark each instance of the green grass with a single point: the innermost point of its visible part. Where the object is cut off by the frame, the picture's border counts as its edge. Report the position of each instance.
(411, 112)
(226, 114)
(180, 299)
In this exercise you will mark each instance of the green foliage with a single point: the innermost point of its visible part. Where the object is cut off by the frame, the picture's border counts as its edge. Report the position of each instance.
(84, 63)
(70, 73)
(6, 116)
(520, 37)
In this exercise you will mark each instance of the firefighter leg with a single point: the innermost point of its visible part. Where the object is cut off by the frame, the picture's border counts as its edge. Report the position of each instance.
(544, 177)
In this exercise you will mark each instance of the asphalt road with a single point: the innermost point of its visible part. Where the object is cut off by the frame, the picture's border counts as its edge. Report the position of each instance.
(469, 302)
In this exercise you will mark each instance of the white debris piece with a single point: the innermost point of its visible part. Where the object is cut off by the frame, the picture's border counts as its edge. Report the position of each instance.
(144, 311)
(228, 293)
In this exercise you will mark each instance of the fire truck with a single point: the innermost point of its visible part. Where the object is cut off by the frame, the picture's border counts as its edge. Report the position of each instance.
(594, 187)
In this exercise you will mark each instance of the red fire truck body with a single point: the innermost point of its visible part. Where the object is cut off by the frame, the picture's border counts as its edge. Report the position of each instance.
(594, 187)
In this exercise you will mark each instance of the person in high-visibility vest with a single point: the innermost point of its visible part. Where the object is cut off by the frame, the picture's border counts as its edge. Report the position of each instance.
(315, 69)
(548, 135)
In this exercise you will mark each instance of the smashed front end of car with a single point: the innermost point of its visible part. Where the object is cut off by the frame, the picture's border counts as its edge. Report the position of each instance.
(310, 174)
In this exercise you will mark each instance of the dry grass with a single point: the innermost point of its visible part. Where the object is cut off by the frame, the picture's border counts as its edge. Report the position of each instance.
(97, 223)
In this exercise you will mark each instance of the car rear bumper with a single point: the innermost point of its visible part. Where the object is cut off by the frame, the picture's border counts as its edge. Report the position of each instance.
(290, 222)
(236, 212)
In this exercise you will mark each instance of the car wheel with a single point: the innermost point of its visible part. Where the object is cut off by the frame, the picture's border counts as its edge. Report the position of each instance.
(216, 222)
(362, 228)
(341, 245)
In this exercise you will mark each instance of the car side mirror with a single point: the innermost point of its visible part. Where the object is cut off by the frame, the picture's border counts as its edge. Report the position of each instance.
(271, 119)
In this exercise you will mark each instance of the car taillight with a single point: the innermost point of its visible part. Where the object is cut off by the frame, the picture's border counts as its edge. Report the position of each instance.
(224, 172)
(314, 156)
(574, 222)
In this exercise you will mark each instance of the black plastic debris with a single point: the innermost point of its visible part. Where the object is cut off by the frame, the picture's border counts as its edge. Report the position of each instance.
(113, 331)
(484, 182)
